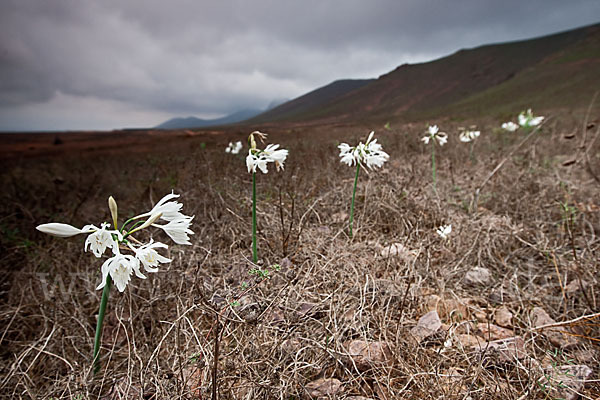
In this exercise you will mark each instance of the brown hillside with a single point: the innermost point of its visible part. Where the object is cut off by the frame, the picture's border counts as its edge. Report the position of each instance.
(494, 74)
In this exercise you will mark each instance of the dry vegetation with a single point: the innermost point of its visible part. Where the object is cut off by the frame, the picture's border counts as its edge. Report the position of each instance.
(275, 336)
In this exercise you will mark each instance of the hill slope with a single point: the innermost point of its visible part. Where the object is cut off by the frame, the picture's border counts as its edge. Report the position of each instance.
(193, 122)
(296, 108)
(551, 71)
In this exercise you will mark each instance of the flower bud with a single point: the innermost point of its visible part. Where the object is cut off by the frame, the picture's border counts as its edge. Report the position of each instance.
(150, 221)
(59, 230)
(112, 205)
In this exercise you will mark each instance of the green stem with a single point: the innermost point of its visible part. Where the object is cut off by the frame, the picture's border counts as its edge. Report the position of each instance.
(101, 313)
(433, 162)
(254, 254)
(471, 151)
(353, 195)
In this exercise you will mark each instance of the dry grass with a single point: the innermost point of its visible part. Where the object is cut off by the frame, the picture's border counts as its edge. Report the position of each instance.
(286, 331)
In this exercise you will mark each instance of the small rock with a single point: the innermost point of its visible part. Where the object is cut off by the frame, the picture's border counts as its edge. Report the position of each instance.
(503, 317)
(453, 309)
(478, 276)
(451, 381)
(398, 250)
(558, 336)
(340, 217)
(494, 332)
(566, 381)
(274, 316)
(503, 351)
(366, 355)
(573, 286)
(306, 309)
(481, 316)
(324, 387)
(585, 356)
(466, 340)
(291, 346)
(427, 325)
(499, 296)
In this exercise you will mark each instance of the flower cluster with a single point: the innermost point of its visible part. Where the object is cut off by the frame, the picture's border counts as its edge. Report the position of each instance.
(370, 153)
(120, 266)
(510, 126)
(433, 133)
(234, 148)
(444, 231)
(468, 136)
(260, 158)
(526, 120)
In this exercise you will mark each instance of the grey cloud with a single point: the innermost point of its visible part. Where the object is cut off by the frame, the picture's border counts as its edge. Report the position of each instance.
(208, 58)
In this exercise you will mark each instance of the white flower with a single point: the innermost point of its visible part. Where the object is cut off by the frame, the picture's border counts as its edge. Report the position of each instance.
(101, 238)
(433, 132)
(170, 210)
(120, 268)
(274, 155)
(61, 230)
(442, 138)
(178, 230)
(374, 155)
(444, 231)
(510, 126)
(234, 148)
(527, 120)
(347, 154)
(253, 161)
(150, 257)
(468, 136)
(260, 158)
(371, 153)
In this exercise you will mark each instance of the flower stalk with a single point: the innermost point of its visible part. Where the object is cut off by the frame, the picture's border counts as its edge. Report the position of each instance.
(101, 312)
(259, 159)
(254, 252)
(434, 135)
(370, 153)
(353, 196)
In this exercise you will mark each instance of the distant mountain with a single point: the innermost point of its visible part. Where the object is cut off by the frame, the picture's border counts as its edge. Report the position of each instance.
(303, 104)
(560, 70)
(193, 122)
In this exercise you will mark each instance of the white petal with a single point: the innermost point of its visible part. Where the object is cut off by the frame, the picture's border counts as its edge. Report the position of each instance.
(61, 230)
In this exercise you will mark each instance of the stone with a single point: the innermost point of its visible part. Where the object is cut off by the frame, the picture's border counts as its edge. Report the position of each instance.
(290, 346)
(427, 326)
(503, 317)
(478, 276)
(398, 250)
(493, 332)
(324, 387)
(565, 381)
(451, 381)
(502, 351)
(558, 335)
(340, 217)
(573, 286)
(466, 340)
(449, 309)
(366, 355)
(499, 296)
(585, 356)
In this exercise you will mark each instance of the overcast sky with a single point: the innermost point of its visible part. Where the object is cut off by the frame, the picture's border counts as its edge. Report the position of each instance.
(104, 64)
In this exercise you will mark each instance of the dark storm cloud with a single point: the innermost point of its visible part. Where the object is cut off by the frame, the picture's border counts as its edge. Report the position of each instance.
(138, 62)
